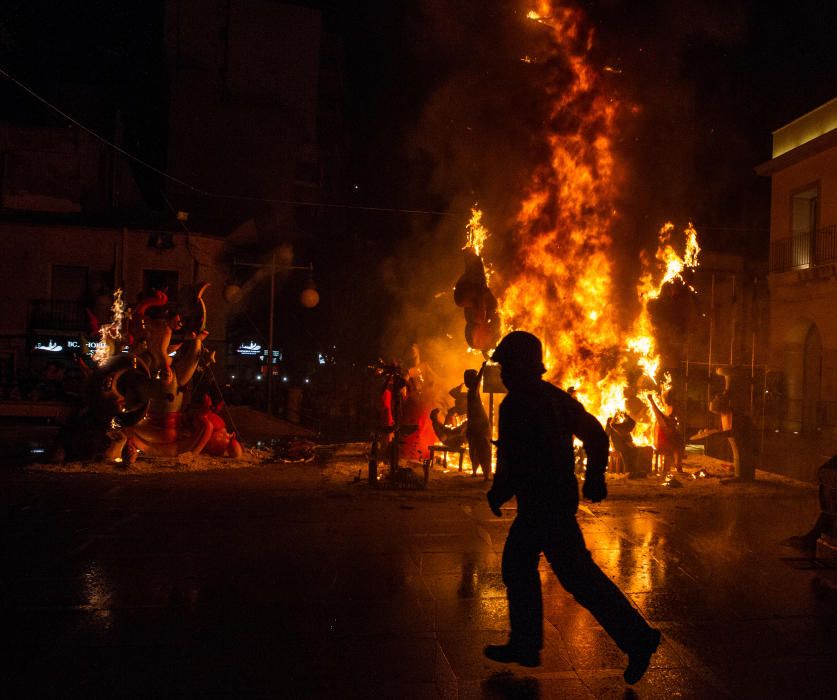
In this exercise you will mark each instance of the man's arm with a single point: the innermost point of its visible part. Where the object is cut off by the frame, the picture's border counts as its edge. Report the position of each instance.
(501, 489)
(596, 447)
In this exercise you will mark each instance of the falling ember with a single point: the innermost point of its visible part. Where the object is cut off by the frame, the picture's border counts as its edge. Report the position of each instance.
(562, 284)
(110, 334)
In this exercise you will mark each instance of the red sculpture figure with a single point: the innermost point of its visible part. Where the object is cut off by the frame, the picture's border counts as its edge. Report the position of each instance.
(221, 443)
(422, 387)
(668, 442)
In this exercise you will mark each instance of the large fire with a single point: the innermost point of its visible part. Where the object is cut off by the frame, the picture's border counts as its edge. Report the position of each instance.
(562, 285)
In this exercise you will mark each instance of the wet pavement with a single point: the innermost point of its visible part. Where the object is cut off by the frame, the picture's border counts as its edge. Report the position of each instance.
(289, 582)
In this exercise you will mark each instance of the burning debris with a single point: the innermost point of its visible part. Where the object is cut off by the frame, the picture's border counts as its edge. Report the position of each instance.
(482, 324)
(451, 431)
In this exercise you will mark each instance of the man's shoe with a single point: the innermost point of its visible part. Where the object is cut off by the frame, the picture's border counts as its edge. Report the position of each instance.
(638, 660)
(511, 653)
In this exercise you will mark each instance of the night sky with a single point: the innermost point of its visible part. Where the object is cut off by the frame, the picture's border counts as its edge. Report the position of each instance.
(712, 81)
(440, 113)
(432, 88)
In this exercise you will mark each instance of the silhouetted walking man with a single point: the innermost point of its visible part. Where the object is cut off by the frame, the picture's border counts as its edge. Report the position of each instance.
(535, 463)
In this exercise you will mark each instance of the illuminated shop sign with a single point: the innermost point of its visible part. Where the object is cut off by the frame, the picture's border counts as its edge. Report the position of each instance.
(66, 344)
(92, 345)
(251, 348)
(51, 346)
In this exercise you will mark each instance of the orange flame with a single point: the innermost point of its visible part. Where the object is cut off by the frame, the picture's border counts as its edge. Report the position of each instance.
(667, 267)
(562, 288)
(670, 261)
(110, 333)
(475, 232)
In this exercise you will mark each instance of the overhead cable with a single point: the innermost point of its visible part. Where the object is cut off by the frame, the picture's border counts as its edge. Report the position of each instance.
(198, 190)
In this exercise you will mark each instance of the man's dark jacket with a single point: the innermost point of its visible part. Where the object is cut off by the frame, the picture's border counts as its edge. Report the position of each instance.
(535, 459)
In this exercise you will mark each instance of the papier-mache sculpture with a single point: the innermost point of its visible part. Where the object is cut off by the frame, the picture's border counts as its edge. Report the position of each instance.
(144, 386)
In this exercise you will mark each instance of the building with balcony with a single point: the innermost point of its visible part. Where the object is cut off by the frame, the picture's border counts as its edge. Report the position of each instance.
(54, 278)
(74, 226)
(803, 274)
(247, 139)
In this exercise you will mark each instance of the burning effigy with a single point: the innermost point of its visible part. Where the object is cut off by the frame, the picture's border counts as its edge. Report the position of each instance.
(558, 277)
(482, 322)
(139, 388)
(563, 261)
(563, 286)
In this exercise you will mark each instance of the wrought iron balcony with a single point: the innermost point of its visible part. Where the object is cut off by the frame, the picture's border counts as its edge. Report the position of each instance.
(805, 250)
(48, 314)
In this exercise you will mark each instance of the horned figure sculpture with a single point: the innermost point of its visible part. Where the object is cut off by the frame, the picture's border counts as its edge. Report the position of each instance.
(149, 389)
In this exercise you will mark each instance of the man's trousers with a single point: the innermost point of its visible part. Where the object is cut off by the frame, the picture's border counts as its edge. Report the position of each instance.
(561, 541)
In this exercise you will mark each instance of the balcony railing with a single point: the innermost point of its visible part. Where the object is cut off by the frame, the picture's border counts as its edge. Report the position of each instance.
(48, 314)
(804, 250)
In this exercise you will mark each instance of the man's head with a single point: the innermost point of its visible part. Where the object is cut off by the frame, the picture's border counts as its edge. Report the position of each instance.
(470, 378)
(520, 356)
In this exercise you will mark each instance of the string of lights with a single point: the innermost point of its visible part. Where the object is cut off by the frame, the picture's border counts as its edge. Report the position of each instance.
(198, 190)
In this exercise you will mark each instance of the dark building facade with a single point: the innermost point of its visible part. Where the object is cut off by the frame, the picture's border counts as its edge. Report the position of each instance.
(803, 283)
(243, 85)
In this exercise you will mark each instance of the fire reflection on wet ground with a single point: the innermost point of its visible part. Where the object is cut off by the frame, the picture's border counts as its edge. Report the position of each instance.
(271, 582)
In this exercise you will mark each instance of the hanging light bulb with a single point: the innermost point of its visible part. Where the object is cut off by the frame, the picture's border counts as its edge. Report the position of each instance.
(232, 293)
(309, 297)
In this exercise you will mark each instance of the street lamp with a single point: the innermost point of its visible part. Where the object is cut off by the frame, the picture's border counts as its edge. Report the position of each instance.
(309, 298)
